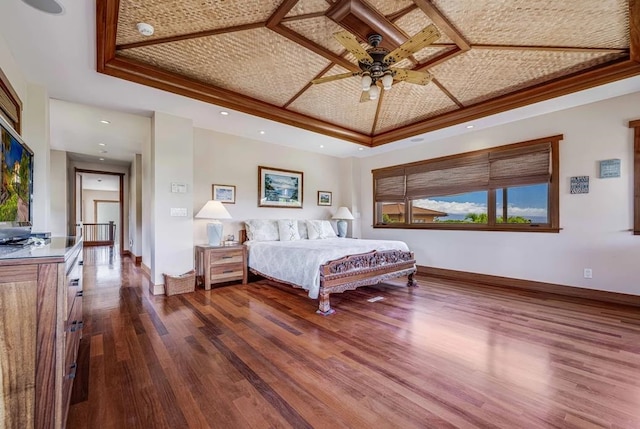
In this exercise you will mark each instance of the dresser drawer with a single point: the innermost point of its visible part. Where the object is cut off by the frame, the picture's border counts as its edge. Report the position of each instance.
(226, 272)
(227, 257)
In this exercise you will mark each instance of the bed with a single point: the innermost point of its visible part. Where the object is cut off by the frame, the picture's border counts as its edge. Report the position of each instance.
(327, 265)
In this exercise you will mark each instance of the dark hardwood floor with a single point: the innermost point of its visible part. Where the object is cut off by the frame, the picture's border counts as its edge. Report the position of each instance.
(442, 355)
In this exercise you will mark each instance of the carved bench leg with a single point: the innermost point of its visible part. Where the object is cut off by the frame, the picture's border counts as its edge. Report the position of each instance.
(324, 306)
(411, 282)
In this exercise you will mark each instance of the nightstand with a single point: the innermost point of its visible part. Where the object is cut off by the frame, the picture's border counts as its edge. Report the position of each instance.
(219, 264)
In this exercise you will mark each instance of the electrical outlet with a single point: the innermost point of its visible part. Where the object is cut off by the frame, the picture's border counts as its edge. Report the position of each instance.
(588, 274)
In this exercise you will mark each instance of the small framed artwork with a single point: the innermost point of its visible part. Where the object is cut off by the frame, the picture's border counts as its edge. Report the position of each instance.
(609, 168)
(579, 185)
(279, 188)
(324, 198)
(224, 193)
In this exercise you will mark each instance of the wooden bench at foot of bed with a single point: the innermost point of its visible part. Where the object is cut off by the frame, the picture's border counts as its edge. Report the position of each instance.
(365, 269)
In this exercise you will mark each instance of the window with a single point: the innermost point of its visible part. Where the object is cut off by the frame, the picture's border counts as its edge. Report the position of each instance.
(10, 104)
(507, 188)
(636, 175)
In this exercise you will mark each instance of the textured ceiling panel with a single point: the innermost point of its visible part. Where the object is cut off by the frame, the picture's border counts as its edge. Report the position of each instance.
(481, 74)
(584, 23)
(515, 44)
(308, 6)
(258, 63)
(405, 103)
(387, 7)
(174, 17)
(338, 102)
(415, 21)
(319, 30)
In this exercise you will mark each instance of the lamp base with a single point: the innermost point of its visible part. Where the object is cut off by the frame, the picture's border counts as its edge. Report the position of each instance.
(342, 228)
(214, 232)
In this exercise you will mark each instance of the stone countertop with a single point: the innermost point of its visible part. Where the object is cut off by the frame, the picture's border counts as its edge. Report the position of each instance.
(55, 247)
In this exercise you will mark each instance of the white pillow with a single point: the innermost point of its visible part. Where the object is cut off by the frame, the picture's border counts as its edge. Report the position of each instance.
(288, 230)
(328, 230)
(320, 229)
(302, 230)
(262, 230)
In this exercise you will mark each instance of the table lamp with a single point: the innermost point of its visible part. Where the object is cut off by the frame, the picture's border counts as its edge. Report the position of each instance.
(343, 214)
(214, 210)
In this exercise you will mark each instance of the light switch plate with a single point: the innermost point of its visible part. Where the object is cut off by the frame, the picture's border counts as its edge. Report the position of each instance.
(178, 212)
(180, 188)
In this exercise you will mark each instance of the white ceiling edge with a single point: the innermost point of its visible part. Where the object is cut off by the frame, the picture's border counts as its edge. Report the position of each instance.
(100, 182)
(61, 56)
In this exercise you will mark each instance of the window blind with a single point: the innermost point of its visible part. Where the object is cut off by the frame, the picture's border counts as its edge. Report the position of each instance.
(448, 177)
(389, 185)
(520, 166)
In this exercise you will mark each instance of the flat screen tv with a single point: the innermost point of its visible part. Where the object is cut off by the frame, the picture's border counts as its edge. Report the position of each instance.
(16, 186)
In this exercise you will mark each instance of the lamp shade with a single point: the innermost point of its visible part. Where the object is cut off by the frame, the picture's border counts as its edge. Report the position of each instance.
(343, 213)
(213, 210)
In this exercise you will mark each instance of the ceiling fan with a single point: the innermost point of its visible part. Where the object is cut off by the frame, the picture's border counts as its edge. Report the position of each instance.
(375, 62)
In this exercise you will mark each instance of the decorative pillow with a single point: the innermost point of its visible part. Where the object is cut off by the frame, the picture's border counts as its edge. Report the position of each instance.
(302, 230)
(328, 230)
(288, 230)
(262, 229)
(317, 229)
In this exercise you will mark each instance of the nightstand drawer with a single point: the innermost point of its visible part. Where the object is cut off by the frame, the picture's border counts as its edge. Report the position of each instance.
(226, 272)
(227, 257)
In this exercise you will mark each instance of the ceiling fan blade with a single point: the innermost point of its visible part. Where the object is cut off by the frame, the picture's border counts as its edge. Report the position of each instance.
(334, 77)
(350, 42)
(423, 38)
(364, 97)
(412, 76)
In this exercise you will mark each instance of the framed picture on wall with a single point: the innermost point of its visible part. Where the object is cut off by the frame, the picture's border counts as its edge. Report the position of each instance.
(224, 193)
(324, 198)
(279, 188)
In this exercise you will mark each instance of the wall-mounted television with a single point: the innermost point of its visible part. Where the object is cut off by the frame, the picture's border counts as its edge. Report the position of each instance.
(16, 185)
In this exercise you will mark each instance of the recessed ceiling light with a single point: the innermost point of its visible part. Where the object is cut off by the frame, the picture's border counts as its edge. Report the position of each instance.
(105, 122)
(103, 151)
(101, 159)
(101, 144)
(469, 127)
(321, 146)
(262, 131)
(360, 148)
(224, 113)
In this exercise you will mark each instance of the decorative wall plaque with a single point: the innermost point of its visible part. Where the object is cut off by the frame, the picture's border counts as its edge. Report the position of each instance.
(580, 185)
(609, 168)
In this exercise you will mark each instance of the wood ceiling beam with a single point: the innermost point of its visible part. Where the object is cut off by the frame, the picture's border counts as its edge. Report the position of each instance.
(106, 28)
(308, 85)
(576, 82)
(301, 17)
(187, 36)
(440, 58)
(443, 23)
(145, 74)
(399, 14)
(634, 30)
(442, 88)
(314, 47)
(280, 13)
(552, 48)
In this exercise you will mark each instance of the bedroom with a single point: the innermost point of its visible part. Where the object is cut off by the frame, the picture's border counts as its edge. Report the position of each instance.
(595, 226)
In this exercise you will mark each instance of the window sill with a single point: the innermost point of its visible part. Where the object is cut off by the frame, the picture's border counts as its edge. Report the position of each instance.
(471, 227)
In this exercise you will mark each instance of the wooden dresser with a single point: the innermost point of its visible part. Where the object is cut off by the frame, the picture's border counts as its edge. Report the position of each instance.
(221, 264)
(41, 312)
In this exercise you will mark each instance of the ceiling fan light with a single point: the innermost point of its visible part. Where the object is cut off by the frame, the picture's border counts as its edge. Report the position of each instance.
(387, 81)
(374, 92)
(366, 82)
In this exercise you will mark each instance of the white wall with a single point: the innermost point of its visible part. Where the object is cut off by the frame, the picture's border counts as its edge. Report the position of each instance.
(58, 221)
(172, 161)
(135, 206)
(89, 196)
(10, 68)
(229, 160)
(595, 226)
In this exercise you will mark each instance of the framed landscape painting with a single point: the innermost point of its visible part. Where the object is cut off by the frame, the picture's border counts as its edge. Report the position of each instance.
(279, 188)
(224, 193)
(324, 198)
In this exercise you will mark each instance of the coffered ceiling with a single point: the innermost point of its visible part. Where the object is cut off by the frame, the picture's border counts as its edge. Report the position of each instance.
(260, 56)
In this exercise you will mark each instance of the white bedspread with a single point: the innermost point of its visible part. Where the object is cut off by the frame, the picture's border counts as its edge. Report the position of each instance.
(298, 262)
